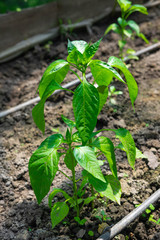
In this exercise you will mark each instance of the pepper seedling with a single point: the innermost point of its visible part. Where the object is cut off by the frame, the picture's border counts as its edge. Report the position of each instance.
(126, 28)
(80, 144)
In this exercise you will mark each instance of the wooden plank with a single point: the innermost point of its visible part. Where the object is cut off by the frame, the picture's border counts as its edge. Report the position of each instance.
(18, 26)
(79, 10)
(22, 46)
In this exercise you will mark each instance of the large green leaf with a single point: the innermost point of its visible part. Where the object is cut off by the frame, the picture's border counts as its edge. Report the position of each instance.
(53, 194)
(85, 107)
(106, 146)
(128, 143)
(59, 212)
(43, 165)
(103, 73)
(103, 94)
(56, 71)
(38, 110)
(132, 85)
(111, 188)
(86, 158)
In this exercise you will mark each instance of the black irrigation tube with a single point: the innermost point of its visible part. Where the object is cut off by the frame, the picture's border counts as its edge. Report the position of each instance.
(73, 83)
(118, 227)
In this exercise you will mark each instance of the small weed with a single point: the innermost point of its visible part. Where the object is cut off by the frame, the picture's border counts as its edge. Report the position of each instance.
(103, 217)
(80, 221)
(148, 214)
(91, 233)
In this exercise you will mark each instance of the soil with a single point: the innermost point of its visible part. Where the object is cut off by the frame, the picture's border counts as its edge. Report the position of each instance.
(21, 217)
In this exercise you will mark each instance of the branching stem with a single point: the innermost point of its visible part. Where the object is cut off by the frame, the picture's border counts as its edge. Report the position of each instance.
(64, 174)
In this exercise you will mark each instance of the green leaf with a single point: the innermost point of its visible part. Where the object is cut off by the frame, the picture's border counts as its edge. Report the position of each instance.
(80, 52)
(111, 188)
(136, 8)
(128, 143)
(76, 137)
(141, 35)
(122, 22)
(68, 122)
(134, 26)
(69, 160)
(74, 57)
(43, 165)
(106, 146)
(86, 158)
(121, 43)
(103, 73)
(90, 51)
(152, 207)
(88, 200)
(103, 94)
(53, 194)
(38, 110)
(139, 154)
(124, 4)
(56, 71)
(59, 212)
(85, 107)
(113, 27)
(132, 85)
(80, 46)
(68, 136)
(127, 32)
(81, 192)
(130, 51)
(70, 46)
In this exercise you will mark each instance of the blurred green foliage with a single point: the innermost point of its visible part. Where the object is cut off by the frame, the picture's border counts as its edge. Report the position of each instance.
(18, 5)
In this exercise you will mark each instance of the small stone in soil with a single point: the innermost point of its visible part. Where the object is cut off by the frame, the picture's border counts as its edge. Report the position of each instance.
(80, 233)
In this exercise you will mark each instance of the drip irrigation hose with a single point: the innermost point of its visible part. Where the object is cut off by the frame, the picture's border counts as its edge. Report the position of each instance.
(117, 228)
(37, 99)
(73, 83)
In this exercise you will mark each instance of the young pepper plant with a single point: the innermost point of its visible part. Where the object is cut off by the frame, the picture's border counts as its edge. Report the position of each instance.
(125, 29)
(80, 144)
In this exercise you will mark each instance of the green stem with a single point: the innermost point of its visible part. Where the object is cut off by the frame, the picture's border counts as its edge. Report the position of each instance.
(74, 180)
(92, 192)
(64, 174)
(121, 49)
(76, 75)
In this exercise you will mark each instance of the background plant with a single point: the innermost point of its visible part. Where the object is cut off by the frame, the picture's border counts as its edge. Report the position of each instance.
(80, 144)
(18, 5)
(148, 214)
(126, 28)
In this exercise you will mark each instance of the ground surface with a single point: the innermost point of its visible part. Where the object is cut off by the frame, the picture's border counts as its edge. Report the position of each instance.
(21, 217)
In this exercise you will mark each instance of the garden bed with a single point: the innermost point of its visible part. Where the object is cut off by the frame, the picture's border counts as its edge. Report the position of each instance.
(21, 217)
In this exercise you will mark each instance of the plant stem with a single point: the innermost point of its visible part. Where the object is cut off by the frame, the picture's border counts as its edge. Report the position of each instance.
(92, 191)
(76, 75)
(65, 174)
(74, 180)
